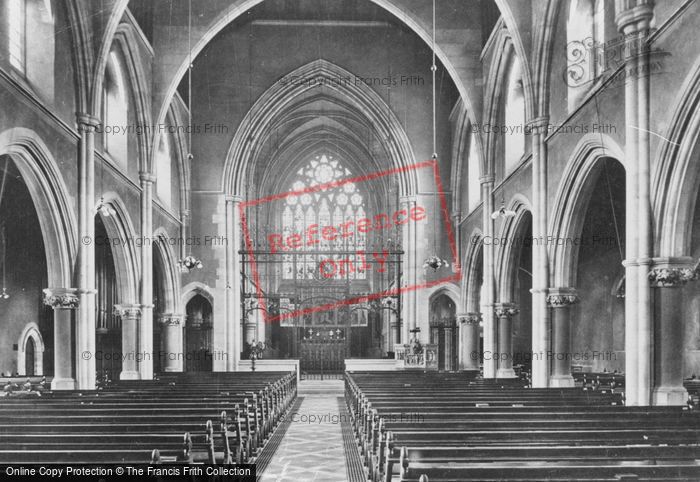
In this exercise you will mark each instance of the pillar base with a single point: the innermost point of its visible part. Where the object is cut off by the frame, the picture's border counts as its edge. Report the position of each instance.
(561, 381)
(505, 373)
(129, 375)
(62, 384)
(670, 396)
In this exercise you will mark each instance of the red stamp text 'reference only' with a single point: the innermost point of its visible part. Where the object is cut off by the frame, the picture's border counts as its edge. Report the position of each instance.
(362, 260)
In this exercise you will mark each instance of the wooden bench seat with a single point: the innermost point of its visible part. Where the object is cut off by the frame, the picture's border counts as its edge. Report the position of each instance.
(410, 427)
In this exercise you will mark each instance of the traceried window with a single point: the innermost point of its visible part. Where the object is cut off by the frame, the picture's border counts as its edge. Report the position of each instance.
(17, 17)
(328, 207)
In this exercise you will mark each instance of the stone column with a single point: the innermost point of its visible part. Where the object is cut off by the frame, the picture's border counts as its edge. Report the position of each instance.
(469, 336)
(130, 315)
(394, 331)
(540, 260)
(449, 360)
(409, 242)
(560, 301)
(668, 277)
(64, 302)
(233, 282)
(487, 303)
(146, 327)
(251, 323)
(505, 313)
(85, 329)
(633, 20)
(171, 332)
(260, 326)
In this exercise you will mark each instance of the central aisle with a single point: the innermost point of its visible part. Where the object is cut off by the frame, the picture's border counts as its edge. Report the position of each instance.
(313, 447)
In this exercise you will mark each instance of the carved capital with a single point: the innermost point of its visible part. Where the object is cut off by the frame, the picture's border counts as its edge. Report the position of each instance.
(562, 297)
(170, 319)
(509, 310)
(61, 298)
(671, 277)
(127, 311)
(470, 319)
(672, 272)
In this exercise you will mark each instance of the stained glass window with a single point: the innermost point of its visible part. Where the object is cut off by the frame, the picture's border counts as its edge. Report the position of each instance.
(328, 207)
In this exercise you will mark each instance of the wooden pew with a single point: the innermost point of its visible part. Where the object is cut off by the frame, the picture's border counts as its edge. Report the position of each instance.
(482, 430)
(125, 422)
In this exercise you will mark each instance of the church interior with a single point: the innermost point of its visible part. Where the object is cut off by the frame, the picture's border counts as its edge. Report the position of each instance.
(364, 240)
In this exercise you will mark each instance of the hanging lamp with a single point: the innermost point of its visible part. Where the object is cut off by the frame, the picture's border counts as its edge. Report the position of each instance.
(434, 261)
(189, 262)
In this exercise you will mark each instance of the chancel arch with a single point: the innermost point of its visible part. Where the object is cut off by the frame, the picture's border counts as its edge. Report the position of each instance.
(282, 96)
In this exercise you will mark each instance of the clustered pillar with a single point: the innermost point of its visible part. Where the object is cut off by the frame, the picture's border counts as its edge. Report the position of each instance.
(633, 21)
(489, 287)
(85, 329)
(146, 327)
(409, 302)
(540, 261)
(233, 282)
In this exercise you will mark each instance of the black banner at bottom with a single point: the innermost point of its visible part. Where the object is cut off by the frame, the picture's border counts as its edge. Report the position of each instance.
(128, 472)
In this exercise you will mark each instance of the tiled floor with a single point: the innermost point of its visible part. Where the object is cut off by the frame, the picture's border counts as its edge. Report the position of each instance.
(312, 449)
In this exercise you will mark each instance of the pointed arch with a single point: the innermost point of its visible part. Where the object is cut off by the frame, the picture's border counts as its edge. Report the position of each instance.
(171, 279)
(495, 94)
(44, 181)
(195, 288)
(473, 264)
(30, 332)
(676, 178)
(273, 102)
(126, 261)
(512, 240)
(450, 290)
(138, 87)
(571, 200)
